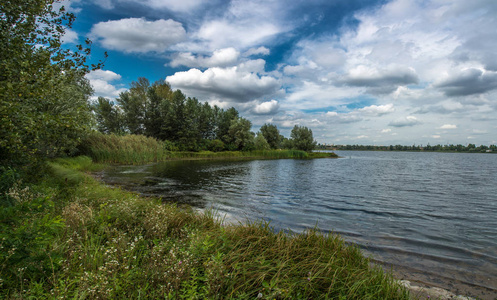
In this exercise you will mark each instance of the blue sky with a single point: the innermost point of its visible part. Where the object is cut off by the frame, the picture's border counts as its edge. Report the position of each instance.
(354, 71)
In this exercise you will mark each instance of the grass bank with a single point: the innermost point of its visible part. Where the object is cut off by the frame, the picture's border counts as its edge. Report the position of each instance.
(70, 236)
(139, 149)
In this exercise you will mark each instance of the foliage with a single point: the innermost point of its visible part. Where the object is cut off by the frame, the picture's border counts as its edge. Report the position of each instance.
(114, 244)
(43, 93)
(159, 112)
(127, 149)
(240, 136)
(302, 138)
(109, 116)
(272, 135)
(260, 142)
(139, 149)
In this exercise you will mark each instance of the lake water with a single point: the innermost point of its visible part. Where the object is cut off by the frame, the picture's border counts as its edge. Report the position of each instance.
(431, 217)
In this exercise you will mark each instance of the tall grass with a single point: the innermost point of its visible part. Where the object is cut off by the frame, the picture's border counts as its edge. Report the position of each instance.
(114, 244)
(138, 149)
(127, 149)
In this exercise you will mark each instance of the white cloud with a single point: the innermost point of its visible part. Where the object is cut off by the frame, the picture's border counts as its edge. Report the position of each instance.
(403, 122)
(70, 36)
(448, 126)
(267, 108)
(386, 130)
(233, 84)
(223, 33)
(68, 5)
(138, 34)
(378, 110)
(100, 79)
(257, 51)
(243, 25)
(219, 58)
(173, 5)
(342, 118)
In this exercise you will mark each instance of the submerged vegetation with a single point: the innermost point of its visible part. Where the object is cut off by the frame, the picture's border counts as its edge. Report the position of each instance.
(70, 236)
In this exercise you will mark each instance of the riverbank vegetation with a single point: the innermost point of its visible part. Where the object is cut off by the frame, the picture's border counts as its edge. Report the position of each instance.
(186, 124)
(470, 148)
(68, 235)
(139, 149)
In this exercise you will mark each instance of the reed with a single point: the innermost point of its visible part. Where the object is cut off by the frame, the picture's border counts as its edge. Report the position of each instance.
(138, 149)
(127, 149)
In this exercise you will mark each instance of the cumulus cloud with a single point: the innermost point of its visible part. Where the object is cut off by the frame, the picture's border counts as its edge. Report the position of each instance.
(100, 81)
(223, 33)
(468, 82)
(70, 36)
(234, 84)
(448, 126)
(266, 108)
(138, 34)
(219, 58)
(378, 110)
(381, 81)
(243, 25)
(173, 5)
(335, 117)
(403, 122)
(257, 51)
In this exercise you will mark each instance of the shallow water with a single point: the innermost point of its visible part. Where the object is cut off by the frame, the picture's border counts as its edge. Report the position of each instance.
(431, 215)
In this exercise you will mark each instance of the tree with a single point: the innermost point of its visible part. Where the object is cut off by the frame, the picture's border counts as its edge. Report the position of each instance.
(156, 94)
(239, 135)
(302, 138)
(260, 142)
(43, 92)
(224, 120)
(109, 116)
(272, 135)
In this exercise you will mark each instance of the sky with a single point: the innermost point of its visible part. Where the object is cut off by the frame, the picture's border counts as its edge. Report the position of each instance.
(371, 72)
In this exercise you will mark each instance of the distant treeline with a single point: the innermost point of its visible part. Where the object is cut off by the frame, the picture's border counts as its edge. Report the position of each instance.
(472, 148)
(186, 124)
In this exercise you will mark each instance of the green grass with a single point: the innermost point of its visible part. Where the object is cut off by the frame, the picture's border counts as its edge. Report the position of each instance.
(69, 236)
(138, 149)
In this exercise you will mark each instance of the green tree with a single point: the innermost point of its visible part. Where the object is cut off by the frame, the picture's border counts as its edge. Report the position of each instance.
(157, 94)
(239, 135)
(272, 135)
(134, 103)
(108, 116)
(286, 143)
(43, 92)
(260, 142)
(302, 138)
(223, 123)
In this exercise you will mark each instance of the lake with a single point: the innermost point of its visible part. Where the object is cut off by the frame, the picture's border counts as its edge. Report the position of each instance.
(431, 217)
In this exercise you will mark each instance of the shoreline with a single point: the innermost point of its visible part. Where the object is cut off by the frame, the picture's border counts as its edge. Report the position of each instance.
(421, 284)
